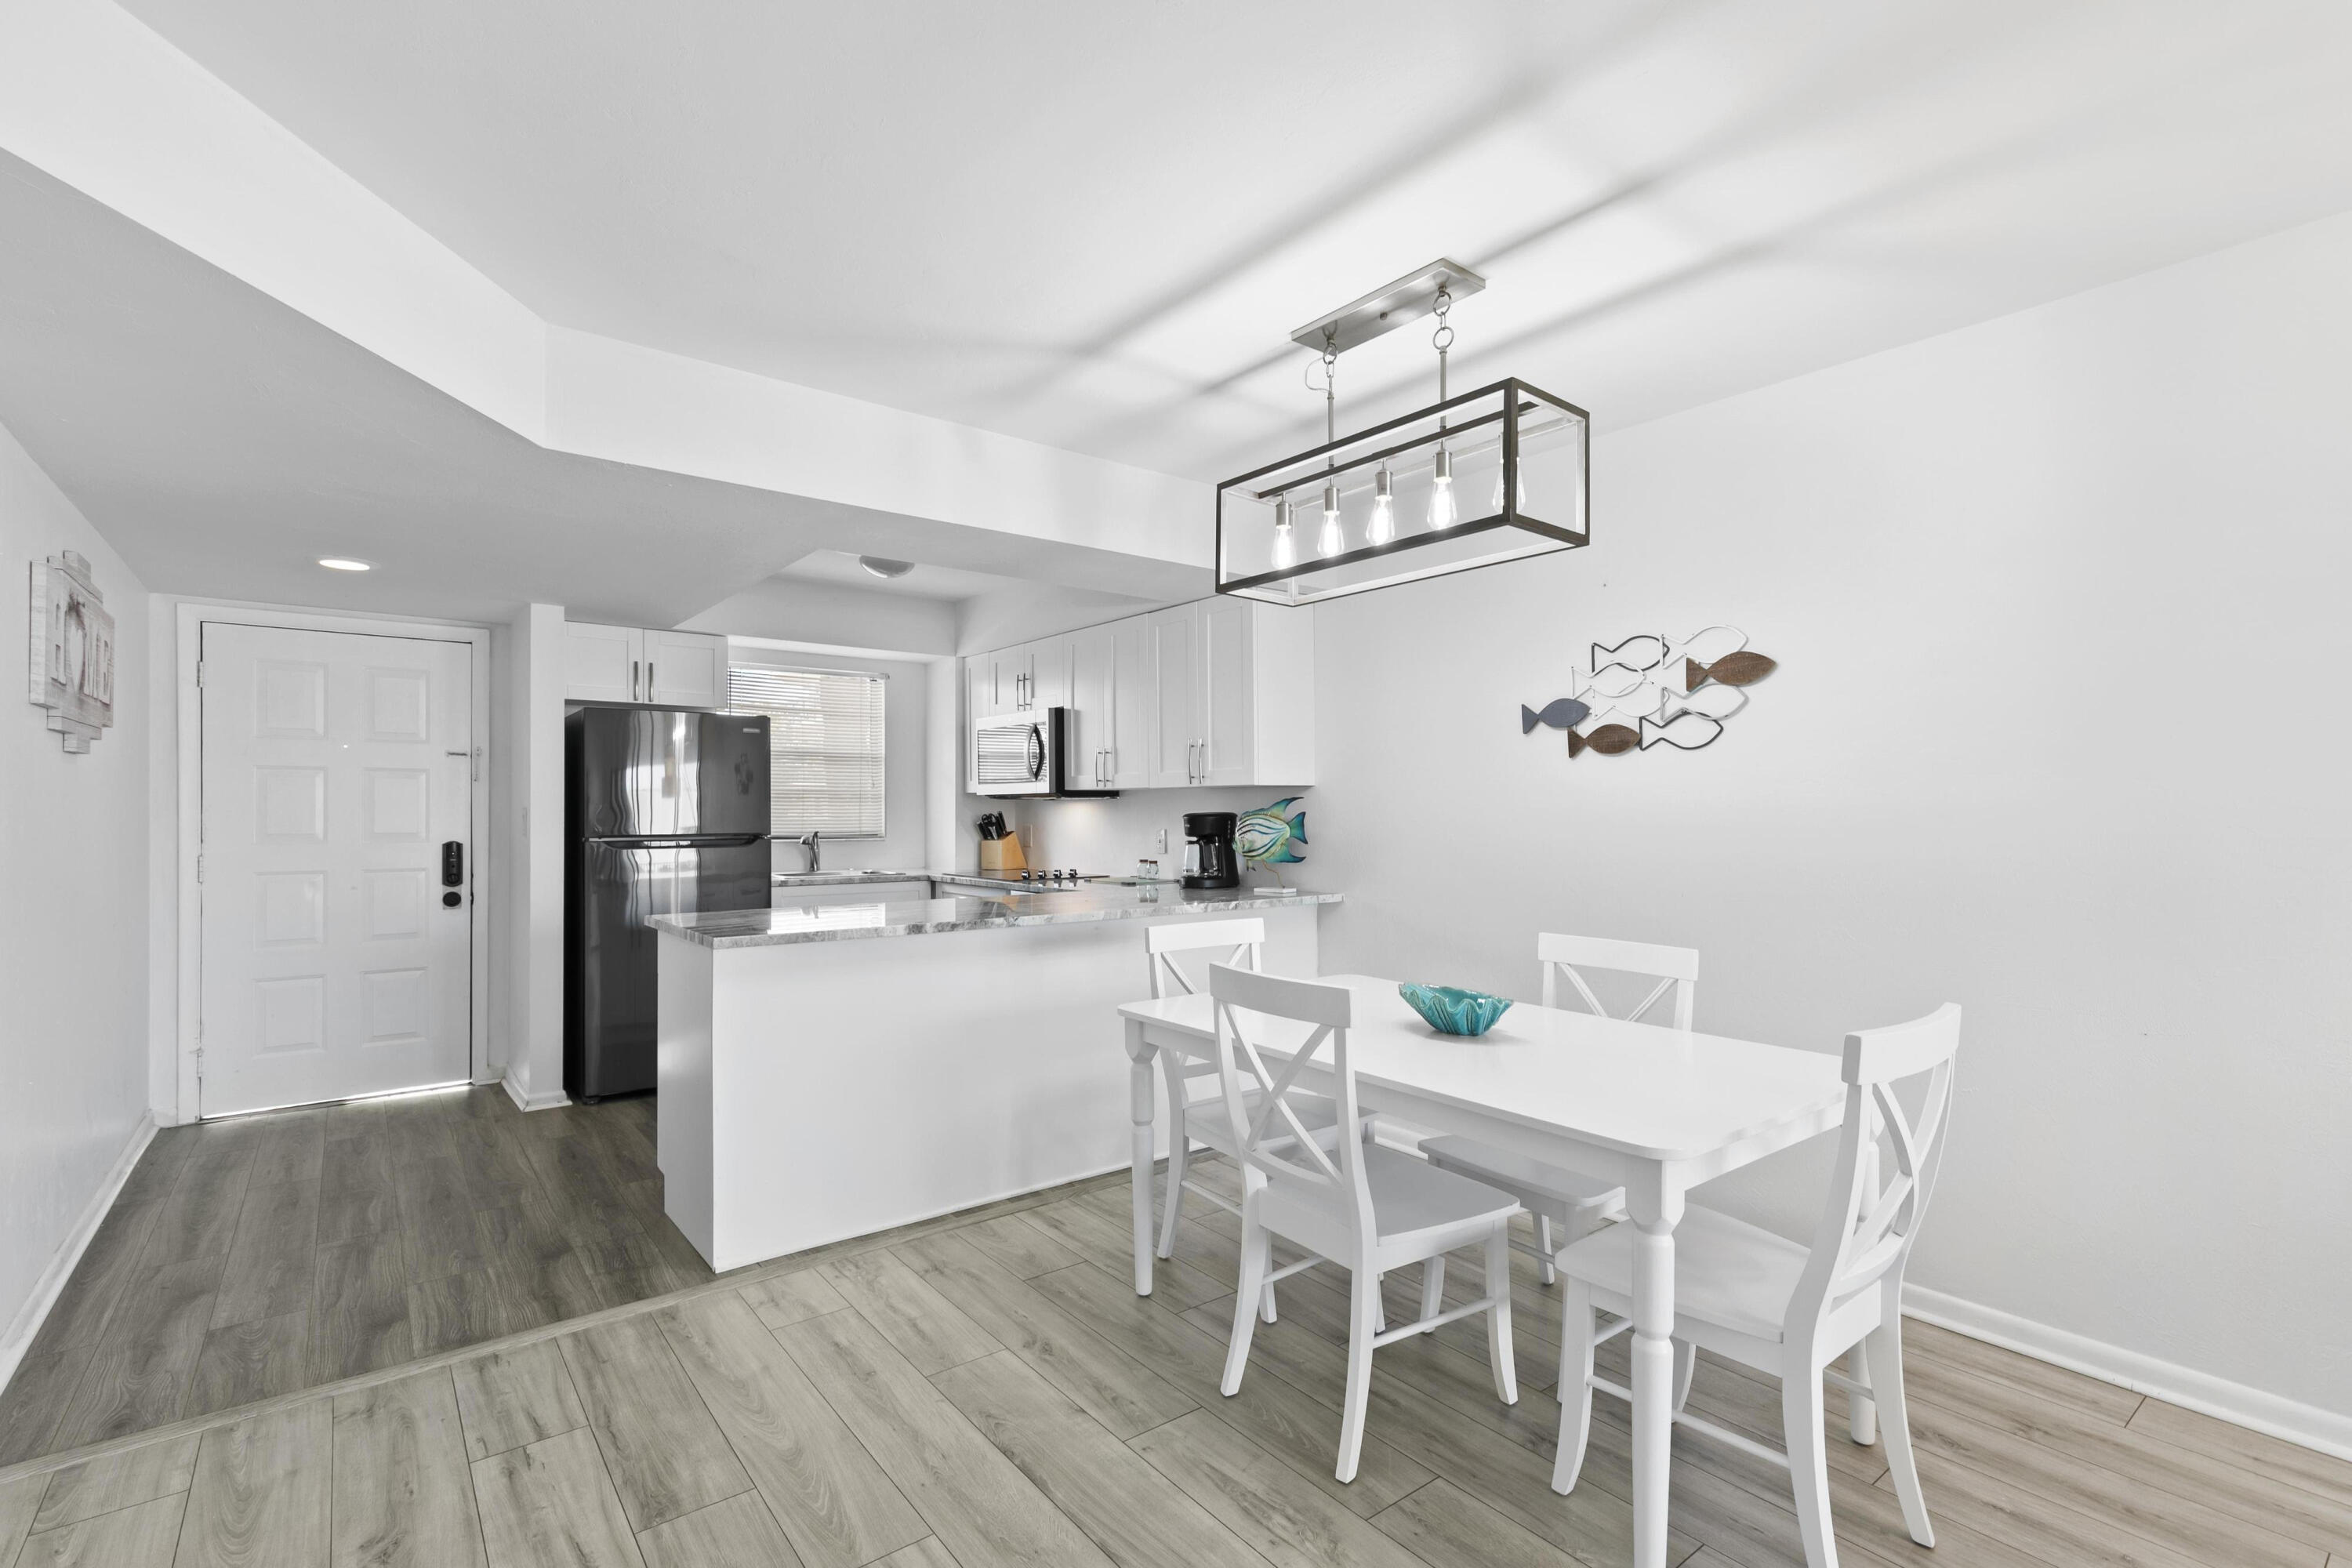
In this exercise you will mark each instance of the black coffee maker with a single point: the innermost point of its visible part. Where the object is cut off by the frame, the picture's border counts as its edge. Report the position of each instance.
(1209, 858)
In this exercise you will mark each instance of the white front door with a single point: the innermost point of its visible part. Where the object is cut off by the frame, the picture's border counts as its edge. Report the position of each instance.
(336, 822)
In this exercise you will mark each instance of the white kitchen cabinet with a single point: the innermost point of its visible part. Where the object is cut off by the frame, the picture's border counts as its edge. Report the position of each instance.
(1133, 697)
(1172, 638)
(685, 670)
(1093, 688)
(603, 664)
(631, 664)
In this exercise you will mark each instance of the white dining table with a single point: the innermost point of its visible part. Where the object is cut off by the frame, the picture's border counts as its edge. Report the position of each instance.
(1657, 1109)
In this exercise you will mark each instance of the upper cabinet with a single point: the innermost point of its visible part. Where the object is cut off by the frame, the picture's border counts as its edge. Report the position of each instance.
(1217, 692)
(630, 664)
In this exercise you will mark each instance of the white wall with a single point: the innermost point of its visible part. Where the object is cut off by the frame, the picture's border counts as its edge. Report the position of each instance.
(74, 929)
(2058, 602)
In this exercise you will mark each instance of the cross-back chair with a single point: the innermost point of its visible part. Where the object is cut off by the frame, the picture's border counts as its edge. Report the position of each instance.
(1783, 1309)
(1359, 1203)
(1566, 1204)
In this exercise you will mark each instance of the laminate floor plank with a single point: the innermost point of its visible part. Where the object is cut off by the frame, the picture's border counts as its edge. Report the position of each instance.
(665, 1452)
(20, 1504)
(1297, 1428)
(1444, 1524)
(262, 1493)
(975, 1500)
(144, 1536)
(292, 1150)
(272, 1261)
(2323, 1475)
(158, 1167)
(737, 1533)
(1018, 1248)
(359, 1308)
(457, 1309)
(248, 1361)
(928, 1553)
(199, 1215)
(2284, 1507)
(2148, 1507)
(551, 1504)
(1924, 1343)
(1271, 1506)
(827, 1491)
(516, 1395)
(68, 1337)
(1134, 1513)
(1092, 1235)
(789, 1297)
(923, 1325)
(113, 1481)
(140, 1373)
(1120, 1393)
(2047, 1531)
(683, 1264)
(404, 1489)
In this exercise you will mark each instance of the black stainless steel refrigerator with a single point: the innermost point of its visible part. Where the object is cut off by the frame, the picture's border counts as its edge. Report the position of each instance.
(666, 813)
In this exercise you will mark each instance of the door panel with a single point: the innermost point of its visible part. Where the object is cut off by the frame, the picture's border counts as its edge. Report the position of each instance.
(651, 772)
(335, 766)
(603, 664)
(1175, 730)
(1227, 723)
(685, 670)
(1132, 699)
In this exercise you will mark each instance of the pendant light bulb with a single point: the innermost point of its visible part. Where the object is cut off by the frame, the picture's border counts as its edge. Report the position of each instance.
(1441, 514)
(1382, 526)
(1330, 542)
(1497, 498)
(1286, 547)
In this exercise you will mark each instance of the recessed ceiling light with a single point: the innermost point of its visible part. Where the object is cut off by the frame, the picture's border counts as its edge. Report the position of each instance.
(882, 566)
(345, 563)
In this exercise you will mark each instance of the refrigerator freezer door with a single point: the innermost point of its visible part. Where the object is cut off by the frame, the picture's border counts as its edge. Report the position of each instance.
(618, 888)
(647, 773)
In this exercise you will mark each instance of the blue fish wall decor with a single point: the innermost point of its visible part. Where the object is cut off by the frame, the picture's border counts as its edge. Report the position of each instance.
(1273, 834)
(1559, 714)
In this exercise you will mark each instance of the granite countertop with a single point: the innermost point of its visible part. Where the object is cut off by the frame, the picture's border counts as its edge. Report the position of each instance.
(1073, 906)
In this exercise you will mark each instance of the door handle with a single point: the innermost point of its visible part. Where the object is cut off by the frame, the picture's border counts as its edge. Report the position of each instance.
(649, 680)
(633, 680)
(452, 871)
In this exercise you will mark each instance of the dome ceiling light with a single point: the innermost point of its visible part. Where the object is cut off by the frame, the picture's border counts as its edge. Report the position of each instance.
(884, 567)
(1467, 481)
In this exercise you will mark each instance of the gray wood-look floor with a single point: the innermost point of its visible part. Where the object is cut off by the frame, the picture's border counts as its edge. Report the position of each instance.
(255, 1256)
(987, 1390)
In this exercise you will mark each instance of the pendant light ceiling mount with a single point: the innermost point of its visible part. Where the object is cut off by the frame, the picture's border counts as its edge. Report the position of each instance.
(1403, 500)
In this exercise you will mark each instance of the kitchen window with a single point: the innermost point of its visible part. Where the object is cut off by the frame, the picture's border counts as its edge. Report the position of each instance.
(825, 746)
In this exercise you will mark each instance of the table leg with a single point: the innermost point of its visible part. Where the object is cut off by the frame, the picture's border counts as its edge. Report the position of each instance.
(1654, 1213)
(1143, 1103)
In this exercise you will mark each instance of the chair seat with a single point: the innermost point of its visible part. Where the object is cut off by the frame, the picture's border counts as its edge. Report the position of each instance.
(1579, 1194)
(1726, 1271)
(1410, 1194)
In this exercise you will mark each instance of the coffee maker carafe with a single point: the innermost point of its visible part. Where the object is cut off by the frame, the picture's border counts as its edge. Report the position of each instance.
(1210, 860)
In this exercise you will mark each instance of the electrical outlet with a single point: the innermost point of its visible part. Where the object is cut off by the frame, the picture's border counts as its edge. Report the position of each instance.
(1161, 838)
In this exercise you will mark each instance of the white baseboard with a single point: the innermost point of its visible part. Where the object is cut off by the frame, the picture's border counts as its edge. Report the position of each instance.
(518, 1090)
(2256, 1409)
(52, 1282)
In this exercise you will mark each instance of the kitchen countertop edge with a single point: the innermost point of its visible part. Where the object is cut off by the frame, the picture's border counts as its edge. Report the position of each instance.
(1012, 912)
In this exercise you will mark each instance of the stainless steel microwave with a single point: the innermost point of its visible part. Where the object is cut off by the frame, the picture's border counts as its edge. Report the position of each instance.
(1024, 753)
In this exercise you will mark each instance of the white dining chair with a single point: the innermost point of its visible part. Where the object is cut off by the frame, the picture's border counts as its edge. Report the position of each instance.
(1204, 1119)
(1770, 1303)
(1360, 1205)
(1567, 1204)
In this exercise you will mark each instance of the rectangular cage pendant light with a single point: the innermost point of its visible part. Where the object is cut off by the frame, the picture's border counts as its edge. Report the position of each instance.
(1494, 475)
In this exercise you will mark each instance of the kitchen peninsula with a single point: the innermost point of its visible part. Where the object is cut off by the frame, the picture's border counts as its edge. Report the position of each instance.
(830, 1071)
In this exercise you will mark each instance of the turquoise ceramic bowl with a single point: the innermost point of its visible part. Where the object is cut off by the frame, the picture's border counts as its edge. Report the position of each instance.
(1452, 1011)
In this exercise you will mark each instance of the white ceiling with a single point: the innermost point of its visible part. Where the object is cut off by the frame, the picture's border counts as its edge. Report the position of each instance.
(839, 568)
(1094, 225)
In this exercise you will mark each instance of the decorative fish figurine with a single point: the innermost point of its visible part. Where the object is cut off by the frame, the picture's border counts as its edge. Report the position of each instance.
(1559, 714)
(1613, 681)
(1707, 647)
(1609, 740)
(1644, 652)
(1687, 732)
(1731, 669)
(1272, 834)
(1715, 702)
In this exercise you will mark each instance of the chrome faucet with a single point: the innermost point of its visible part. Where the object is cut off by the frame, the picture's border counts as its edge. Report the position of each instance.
(809, 843)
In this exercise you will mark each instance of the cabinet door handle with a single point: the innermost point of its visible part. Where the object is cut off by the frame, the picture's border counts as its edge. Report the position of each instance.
(649, 680)
(633, 680)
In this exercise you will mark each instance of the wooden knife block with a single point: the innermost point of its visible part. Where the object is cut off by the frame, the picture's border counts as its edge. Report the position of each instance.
(1003, 854)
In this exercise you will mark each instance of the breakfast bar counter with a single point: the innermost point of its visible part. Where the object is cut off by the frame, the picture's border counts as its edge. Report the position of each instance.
(818, 1082)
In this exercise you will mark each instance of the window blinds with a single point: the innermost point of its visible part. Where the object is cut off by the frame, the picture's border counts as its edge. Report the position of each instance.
(825, 746)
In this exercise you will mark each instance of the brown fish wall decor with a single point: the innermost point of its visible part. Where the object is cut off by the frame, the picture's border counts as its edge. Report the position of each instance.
(1608, 740)
(1741, 668)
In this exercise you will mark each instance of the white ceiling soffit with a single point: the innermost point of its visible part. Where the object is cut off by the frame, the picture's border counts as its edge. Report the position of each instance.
(1094, 225)
(222, 442)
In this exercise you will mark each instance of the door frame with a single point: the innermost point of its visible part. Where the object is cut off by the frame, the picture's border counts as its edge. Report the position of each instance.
(189, 757)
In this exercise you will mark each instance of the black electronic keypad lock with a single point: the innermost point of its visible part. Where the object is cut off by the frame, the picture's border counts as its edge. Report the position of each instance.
(453, 863)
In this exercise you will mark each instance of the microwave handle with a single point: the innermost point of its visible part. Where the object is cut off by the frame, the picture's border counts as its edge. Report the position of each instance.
(1036, 751)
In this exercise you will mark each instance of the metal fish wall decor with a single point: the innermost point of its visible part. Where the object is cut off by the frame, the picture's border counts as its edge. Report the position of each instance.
(1648, 690)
